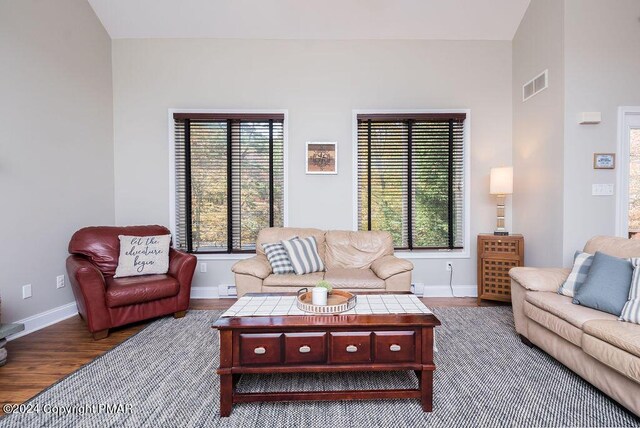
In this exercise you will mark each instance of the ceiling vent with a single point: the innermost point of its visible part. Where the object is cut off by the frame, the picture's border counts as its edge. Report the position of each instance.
(535, 85)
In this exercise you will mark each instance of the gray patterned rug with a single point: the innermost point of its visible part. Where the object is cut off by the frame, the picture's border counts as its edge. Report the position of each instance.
(165, 377)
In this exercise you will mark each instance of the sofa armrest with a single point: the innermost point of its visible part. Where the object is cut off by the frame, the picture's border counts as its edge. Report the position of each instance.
(539, 279)
(89, 289)
(181, 267)
(387, 266)
(257, 266)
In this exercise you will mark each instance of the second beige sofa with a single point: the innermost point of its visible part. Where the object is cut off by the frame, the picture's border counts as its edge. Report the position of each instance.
(353, 261)
(594, 344)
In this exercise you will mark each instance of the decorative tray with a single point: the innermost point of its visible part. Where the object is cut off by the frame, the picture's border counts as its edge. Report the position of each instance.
(337, 301)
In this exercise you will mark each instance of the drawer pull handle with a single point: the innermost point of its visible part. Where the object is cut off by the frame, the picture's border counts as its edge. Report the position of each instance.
(352, 348)
(304, 349)
(395, 348)
(260, 350)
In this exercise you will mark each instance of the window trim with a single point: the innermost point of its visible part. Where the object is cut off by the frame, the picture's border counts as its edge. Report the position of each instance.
(172, 170)
(625, 115)
(464, 253)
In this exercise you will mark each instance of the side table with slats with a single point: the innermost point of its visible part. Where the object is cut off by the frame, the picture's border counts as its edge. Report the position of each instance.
(496, 256)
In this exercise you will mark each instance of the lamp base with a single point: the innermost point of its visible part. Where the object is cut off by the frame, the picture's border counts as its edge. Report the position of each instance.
(501, 233)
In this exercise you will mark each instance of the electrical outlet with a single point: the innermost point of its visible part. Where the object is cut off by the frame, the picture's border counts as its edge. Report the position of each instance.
(26, 291)
(203, 267)
(449, 266)
(59, 281)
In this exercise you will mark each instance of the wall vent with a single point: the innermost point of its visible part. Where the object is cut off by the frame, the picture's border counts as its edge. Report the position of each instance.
(535, 85)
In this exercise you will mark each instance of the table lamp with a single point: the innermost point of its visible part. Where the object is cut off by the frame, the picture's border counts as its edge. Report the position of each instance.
(501, 185)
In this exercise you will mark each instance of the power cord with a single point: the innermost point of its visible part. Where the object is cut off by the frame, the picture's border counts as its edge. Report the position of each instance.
(451, 280)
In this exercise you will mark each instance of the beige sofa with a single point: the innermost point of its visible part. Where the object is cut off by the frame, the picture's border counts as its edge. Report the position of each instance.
(594, 344)
(353, 261)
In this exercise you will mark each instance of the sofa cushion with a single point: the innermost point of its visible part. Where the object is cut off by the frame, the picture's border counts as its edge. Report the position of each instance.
(562, 307)
(293, 280)
(612, 356)
(139, 289)
(614, 246)
(277, 234)
(303, 254)
(553, 323)
(607, 285)
(347, 249)
(581, 264)
(631, 310)
(619, 334)
(353, 278)
(278, 258)
(102, 245)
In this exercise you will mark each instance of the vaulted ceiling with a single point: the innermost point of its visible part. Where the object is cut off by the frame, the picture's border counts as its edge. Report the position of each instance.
(312, 19)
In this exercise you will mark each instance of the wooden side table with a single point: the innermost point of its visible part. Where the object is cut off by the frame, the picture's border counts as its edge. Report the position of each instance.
(496, 256)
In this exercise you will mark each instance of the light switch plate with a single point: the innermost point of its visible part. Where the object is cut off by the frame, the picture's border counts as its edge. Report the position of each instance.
(602, 189)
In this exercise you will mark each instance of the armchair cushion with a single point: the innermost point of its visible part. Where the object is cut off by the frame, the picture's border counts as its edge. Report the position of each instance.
(540, 279)
(388, 266)
(257, 266)
(139, 289)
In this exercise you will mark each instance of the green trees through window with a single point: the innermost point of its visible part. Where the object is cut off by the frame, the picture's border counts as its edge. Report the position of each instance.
(411, 178)
(229, 180)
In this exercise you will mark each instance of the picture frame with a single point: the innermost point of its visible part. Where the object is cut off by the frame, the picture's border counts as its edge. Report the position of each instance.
(604, 161)
(321, 157)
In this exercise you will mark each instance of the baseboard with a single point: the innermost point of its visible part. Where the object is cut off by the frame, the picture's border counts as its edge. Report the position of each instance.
(204, 293)
(45, 319)
(445, 291)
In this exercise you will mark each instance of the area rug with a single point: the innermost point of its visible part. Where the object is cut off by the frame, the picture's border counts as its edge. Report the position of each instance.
(164, 376)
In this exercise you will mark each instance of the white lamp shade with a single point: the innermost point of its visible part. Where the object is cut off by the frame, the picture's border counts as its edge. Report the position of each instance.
(501, 181)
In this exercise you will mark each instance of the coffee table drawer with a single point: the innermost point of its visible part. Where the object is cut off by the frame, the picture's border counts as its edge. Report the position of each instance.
(305, 348)
(394, 346)
(264, 348)
(350, 347)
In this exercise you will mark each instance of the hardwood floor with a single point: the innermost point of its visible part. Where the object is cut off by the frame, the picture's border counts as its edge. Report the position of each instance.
(40, 359)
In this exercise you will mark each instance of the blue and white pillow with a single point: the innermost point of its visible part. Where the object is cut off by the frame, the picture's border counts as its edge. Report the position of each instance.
(581, 265)
(303, 253)
(631, 309)
(278, 258)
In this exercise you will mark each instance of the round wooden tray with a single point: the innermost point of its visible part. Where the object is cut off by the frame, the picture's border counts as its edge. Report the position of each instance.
(338, 301)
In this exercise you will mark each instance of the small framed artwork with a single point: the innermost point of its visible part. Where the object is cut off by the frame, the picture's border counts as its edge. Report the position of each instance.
(604, 160)
(322, 157)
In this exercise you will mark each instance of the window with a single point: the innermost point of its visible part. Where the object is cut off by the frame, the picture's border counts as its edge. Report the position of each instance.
(229, 179)
(411, 178)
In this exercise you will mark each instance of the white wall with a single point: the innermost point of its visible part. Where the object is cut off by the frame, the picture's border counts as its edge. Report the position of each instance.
(538, 137)
(320, 83)
(56, 145)
(602, 72)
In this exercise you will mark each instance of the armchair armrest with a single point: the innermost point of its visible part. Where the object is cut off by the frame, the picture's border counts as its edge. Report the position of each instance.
(539, 279)
(181, 267)
(89, 289)
(387, 266)
(255, 266)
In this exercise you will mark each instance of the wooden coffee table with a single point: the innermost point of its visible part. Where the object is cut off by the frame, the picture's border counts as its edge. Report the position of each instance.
(325, 343)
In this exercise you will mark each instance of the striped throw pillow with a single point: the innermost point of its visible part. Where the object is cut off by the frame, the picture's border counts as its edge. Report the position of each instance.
(631, 309)
(303, 253)
(581, 265)
(278, 258)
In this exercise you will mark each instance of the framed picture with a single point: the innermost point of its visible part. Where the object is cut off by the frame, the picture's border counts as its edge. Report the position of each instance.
(604, 160)
(322, 157)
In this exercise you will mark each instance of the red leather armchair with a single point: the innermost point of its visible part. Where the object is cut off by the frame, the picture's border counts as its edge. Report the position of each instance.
(105, 302)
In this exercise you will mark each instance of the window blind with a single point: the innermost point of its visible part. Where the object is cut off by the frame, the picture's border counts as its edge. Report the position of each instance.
(411, 178)
(229, 180)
